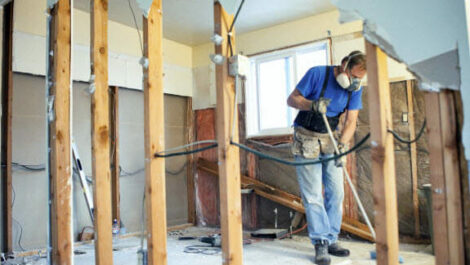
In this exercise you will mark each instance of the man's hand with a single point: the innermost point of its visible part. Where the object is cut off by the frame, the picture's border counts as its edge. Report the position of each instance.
(342, 148)
(320, 105)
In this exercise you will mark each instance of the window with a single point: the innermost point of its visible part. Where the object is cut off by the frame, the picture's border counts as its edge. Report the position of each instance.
(273, 78)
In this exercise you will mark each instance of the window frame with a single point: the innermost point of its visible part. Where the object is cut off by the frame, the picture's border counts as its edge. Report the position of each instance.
(253, 84)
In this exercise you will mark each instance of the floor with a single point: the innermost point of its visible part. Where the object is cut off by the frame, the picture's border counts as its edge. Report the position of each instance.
(297, 250)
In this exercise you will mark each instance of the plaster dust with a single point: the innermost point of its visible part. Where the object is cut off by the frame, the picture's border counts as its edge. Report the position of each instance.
(297, 250)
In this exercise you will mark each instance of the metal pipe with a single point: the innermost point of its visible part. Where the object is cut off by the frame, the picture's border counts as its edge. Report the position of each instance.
(353, 189)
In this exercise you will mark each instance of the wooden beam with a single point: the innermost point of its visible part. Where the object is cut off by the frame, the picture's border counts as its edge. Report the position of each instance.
(228, 156)
(439, 215)
(114, 151)
(59, 133)
(7, 97)
(413, 156)
(286, 199)
(154, 136)
(445, 177)
(100, 133)
(190, 162)
(383, 157)
(452, 176)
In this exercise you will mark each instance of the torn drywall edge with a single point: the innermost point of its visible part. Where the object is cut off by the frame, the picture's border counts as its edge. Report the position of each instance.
(4, 2)
(51, 3)
(145, 6)
(230, 6)
(379, 37)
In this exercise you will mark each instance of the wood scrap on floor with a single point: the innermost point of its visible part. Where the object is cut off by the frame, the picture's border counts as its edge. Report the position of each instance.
(284, 198)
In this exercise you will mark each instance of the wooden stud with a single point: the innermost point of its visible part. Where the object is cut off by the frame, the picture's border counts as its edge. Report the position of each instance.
(229, 160)
(59, 134)
(439, 216)
(452, 176)
(190, 163)
(7, 97)
(154, 136)
(114, 151)
(413, 156)
(100, 133)
(445, 177)
(383, 157)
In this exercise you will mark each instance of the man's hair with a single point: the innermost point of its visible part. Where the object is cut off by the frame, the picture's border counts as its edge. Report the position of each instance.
(355, 58)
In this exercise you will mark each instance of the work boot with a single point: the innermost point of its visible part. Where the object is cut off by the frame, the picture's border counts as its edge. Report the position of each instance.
(336, 250)
(321, 253)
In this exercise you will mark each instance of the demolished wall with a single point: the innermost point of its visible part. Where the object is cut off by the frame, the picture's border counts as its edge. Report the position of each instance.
(429, 36)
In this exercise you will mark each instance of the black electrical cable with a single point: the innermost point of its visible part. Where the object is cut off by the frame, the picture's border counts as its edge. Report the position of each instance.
(396, 136)
(186, 152)
(300, 163)
(40, 167)
(229, 33)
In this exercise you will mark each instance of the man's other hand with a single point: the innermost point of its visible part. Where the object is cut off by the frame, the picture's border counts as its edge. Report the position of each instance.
(342, 148)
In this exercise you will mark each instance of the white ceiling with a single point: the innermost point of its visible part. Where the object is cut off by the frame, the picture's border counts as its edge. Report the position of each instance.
(191, 21)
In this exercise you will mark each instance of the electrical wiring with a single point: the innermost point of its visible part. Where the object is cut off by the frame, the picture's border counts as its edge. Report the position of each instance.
(399, 138)
(229, 33)
(136, 27)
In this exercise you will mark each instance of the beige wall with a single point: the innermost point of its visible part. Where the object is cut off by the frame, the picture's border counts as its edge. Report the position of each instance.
(345, 38)
(124, 49)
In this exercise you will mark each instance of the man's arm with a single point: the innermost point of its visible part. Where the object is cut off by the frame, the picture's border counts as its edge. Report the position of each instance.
(349, 126)
(297, 100)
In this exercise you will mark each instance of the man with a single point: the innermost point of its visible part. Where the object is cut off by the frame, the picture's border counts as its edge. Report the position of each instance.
(330, 90)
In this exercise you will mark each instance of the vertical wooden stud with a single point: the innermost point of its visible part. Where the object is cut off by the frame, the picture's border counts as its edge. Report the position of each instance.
(100, 132)
(190, 162)
(7, 97)
(59, 134)
(445, 177)
(383, 157)
(229, 160)
(413, 156)
(114, 151)
(154, 136)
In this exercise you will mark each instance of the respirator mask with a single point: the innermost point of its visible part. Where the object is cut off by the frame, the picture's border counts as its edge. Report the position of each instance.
(346, 82)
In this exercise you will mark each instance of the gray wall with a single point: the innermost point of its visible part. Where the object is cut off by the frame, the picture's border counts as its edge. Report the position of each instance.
(30, 205)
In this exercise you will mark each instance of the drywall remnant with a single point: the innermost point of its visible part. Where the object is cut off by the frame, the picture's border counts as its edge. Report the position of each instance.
(230, 6)
(145, 5)
(51, 3)
(430, 38)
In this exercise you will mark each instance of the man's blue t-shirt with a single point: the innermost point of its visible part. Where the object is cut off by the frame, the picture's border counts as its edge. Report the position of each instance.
(312, 83)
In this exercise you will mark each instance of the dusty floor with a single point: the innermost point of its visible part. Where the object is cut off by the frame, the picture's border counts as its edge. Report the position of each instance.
(297, 250)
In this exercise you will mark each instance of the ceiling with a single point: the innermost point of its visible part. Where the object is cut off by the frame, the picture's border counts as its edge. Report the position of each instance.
(191, 21)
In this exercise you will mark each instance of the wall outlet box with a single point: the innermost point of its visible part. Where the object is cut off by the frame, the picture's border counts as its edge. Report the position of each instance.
(239, 65)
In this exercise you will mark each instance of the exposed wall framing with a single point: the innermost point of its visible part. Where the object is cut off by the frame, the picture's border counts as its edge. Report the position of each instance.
(383, 157)
(228, 157)
(445, 177)
(190, 163)
(413, 156)
(59, 133)
(154, 136)
(7, 97)
(114, 151)
(100, 132)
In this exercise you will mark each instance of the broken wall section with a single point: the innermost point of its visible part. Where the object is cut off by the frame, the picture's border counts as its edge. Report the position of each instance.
(430, 37)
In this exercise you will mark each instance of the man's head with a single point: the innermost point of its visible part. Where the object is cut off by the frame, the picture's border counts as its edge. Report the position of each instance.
(353, 69)
(354, 65)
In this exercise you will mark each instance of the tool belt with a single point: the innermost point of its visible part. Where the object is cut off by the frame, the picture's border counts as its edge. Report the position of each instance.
(310, 145)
